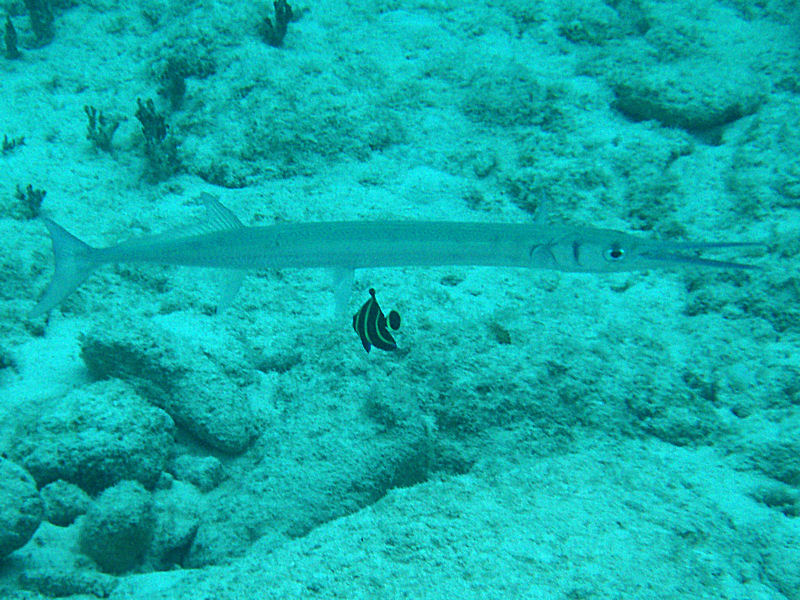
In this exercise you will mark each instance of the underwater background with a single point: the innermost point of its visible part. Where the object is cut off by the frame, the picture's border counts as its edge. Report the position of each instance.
(535, 435)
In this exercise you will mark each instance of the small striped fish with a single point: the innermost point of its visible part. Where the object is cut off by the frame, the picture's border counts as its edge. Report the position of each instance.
(371, 325)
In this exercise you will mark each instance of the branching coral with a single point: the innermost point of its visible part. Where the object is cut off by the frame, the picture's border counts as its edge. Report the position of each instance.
(31, 200)
(41, 16)
(10, 143)
(10, 39)
(101, 128)
(160, 149)
(274, 34)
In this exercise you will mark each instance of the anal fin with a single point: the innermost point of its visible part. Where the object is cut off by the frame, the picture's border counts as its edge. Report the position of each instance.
(231, 282)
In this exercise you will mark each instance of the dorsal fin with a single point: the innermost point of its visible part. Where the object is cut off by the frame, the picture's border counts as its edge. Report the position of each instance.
(218, 218)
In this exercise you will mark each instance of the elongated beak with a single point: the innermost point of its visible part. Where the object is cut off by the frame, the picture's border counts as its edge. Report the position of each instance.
(666, 253)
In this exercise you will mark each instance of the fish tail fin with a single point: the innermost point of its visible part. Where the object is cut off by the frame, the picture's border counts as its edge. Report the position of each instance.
(74, 261)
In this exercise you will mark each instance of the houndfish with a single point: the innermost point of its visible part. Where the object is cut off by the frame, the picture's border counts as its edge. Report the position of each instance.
(222, 241)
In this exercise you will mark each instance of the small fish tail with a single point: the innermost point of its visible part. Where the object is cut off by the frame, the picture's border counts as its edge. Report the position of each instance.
(74, 261)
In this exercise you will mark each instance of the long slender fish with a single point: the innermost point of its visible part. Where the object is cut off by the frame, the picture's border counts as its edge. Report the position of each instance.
(223, 242)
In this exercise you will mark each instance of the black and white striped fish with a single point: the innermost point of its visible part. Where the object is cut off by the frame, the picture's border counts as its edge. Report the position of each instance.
(371, 325)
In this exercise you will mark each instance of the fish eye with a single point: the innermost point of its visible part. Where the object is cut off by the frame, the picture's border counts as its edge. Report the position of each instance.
(614, 254)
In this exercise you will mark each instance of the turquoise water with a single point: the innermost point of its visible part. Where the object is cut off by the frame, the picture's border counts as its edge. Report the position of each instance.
(536, 434)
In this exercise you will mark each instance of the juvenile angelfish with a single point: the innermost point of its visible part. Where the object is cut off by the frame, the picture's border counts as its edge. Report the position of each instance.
(371, 325)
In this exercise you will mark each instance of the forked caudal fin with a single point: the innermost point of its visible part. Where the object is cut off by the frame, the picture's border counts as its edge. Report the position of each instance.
(74, 262)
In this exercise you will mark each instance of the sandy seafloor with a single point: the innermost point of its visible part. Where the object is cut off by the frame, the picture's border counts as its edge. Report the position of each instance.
(537, 434)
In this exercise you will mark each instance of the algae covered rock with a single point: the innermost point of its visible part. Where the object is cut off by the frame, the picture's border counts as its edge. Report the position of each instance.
(95, 437)
(177, 513)
(64, 502)
(204, 472)
(117, 530)
(56, 582)
(776, 453)
(199, 381)
(21, 508)
(695, 96)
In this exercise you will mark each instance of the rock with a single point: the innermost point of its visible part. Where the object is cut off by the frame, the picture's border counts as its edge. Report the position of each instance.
(117, 530)
(205, 473)
(507, 93)
(779, 564)
(63, 502)
(97, 436)
(60, 583)
(777, 454)
(177, 511)
(335, 465)
(21, 508)
(695, 96)
(197, 382)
